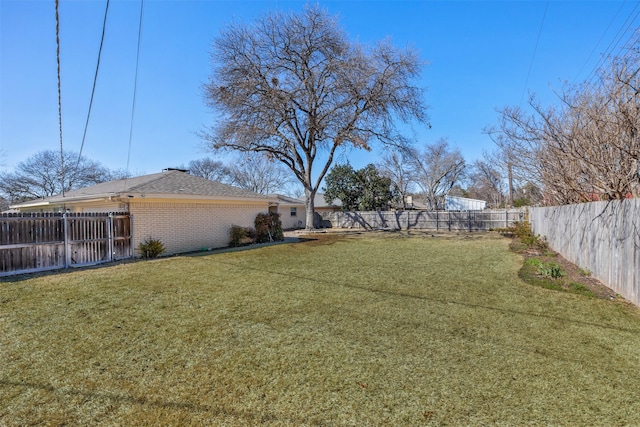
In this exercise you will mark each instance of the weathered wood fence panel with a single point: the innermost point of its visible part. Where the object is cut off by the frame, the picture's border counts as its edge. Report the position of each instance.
(603, 237)
(423, 220)
(38, 242)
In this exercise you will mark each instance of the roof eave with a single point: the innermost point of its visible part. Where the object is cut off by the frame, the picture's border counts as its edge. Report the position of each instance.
(153, 196)
(63, 200)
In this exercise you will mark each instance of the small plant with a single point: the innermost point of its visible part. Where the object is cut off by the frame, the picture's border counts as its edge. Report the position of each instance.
(585, 272)
(151, 248)
(551, 269)
(546, 269)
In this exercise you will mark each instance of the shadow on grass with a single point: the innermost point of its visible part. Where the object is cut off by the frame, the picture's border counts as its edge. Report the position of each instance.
(125, 399)
(432, 299)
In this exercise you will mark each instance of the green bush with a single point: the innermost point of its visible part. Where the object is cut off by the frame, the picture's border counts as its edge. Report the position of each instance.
(522, 230)
(151, 248)
(241, 236)
(268, 227)
(251, 234)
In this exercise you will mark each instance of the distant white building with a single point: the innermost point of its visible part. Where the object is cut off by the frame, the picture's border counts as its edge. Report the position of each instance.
(455, 203)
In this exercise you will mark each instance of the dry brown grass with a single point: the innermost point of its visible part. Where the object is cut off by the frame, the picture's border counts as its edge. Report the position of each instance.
(372, 329)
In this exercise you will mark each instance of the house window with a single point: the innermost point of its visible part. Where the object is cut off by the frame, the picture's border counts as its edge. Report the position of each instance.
(294, 211)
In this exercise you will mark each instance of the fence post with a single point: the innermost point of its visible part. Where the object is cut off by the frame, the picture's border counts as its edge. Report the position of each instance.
(437, 229)
(132, 250)
(506, 219)
(110, 241)
(67, 248)
(469, 219)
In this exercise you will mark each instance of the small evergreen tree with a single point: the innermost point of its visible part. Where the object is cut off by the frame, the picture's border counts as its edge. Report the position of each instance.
(362, 190)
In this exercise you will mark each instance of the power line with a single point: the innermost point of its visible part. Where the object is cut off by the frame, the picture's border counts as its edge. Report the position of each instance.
(535, 50)
(615, 42)
(598, 42)
(62, 177)
(135, 82)
(95, 79)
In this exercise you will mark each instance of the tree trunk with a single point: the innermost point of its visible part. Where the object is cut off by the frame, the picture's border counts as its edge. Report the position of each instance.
(310, 210)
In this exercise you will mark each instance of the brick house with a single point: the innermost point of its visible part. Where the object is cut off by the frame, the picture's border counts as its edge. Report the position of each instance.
(183, 211)
(292, 212)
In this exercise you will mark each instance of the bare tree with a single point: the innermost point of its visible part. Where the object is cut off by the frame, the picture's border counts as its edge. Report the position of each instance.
(42, 175)
(396, 165)
(294, 87)
(587, 147)
(213, 170)
(4, 204)
(437, 168)
(487, 182)
(259, 174)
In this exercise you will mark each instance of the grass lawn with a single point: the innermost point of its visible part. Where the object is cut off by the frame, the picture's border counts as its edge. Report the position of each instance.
(362, 330)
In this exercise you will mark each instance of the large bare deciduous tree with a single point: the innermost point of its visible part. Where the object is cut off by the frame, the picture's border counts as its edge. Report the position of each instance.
(295, 88)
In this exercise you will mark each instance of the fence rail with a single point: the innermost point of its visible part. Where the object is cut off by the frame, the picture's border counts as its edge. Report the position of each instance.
(423, 220)
(603, 237)
(39, 242)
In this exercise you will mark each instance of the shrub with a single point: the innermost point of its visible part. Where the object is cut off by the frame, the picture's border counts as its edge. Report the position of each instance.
(151, 248)
(241, 236)
(522, 230)
(251, 234)
(268, 227)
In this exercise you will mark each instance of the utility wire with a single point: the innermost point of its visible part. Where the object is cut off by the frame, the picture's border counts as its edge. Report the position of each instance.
(62, 177)
(615, 41)
(135, 83)
(598, 42)
(535, 50)
(95, 80)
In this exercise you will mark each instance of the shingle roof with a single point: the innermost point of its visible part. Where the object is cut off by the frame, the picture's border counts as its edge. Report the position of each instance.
(171, 182)
(320, 202)
(287, 200)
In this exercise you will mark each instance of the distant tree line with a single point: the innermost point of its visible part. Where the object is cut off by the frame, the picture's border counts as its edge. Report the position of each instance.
(255, 172)
(46, 173)
(427, 174)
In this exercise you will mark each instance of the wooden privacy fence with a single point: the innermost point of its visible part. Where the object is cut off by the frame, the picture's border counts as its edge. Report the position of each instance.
(38, 242)
(603, 237)
(423, 220)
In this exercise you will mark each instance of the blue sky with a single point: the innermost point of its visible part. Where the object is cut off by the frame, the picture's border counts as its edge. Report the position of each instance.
(479, 55)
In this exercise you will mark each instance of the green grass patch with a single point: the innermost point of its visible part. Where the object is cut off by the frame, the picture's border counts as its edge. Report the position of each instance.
(365, 329)
(545, 268)
(579, 288)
